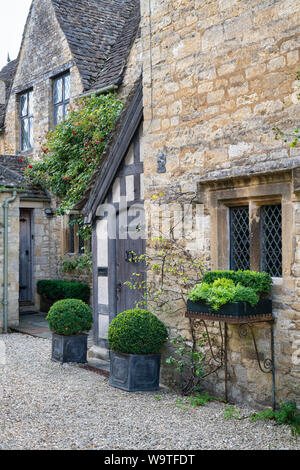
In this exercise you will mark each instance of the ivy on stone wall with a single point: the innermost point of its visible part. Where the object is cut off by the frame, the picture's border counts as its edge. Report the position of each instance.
(73, 149)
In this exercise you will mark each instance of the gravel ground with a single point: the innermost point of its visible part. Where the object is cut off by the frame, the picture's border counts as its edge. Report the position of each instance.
(46, 405)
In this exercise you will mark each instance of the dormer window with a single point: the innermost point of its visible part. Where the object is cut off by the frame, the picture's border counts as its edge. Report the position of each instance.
(26, 120)
(61, 98)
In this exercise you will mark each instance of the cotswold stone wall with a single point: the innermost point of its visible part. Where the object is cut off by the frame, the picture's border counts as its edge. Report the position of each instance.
(218, 77)
(13, 260)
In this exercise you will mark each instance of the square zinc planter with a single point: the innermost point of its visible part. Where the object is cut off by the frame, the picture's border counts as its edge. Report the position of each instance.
(71, 348)
(234, 309)
(134, 372)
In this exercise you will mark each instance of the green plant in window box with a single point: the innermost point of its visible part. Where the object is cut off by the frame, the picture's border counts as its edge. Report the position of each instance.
(237, 293)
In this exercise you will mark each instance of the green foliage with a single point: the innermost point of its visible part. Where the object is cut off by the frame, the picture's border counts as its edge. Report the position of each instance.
(85, 231)
(189, 361)
(137, 331)
(287, 414)
(200, 400)
(223, 291)
(74, 148)
(260, 282)
(78, 263)
(231, 412)
(57, 290)
(70, 317)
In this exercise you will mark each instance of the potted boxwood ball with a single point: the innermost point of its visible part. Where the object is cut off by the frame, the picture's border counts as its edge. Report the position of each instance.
(135, 339)
(69, 320)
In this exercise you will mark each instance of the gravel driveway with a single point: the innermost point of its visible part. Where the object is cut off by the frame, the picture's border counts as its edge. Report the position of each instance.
(51, 406)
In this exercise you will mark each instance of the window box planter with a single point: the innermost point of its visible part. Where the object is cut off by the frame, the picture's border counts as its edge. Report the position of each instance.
(71, 348)
(234, 309)
(134, 372)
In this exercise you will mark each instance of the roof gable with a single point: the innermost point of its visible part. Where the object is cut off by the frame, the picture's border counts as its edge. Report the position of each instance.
(6, 76)
(92, 29)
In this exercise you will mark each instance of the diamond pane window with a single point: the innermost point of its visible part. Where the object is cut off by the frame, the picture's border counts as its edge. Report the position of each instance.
(239, 238)
(271, 240)
(61, 98)
(26, 121)
(58, 91)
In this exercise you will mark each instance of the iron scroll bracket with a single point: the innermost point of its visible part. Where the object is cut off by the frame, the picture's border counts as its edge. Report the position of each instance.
(246, 325)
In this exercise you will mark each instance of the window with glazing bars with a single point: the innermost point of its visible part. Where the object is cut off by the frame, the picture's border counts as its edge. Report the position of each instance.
(267, 242)
(271, 239)
(61, 98)
(239, 238)
(26, 120)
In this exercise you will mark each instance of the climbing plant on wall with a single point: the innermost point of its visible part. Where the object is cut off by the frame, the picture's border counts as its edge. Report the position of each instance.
(73, 149)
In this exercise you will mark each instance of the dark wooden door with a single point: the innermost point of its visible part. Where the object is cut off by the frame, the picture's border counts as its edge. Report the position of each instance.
(127, 248)
(25, 273)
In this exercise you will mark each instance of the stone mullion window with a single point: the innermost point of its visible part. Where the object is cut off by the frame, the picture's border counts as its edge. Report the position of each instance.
(26, 121)
(61, 98)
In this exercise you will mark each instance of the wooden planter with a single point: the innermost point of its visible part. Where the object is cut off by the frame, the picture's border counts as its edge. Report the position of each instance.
(231, 310)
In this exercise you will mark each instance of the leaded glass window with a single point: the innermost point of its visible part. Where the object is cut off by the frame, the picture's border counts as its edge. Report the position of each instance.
(271, 239)
(239, 238)
(61, 98)
(26, 120)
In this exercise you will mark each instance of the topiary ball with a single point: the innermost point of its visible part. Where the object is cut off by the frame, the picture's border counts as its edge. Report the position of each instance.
(136, 331)
(70, 317)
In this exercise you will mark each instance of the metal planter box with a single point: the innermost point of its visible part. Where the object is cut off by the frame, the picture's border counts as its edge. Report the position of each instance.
(69, 348)
(234, 309)
(134, 373)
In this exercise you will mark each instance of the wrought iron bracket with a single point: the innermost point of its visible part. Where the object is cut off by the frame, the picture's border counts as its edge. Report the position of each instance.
(245, 325)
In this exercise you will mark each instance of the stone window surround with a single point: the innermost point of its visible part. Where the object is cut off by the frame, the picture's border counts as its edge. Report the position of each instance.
(64, 102)
(253, 191)
(18, 102)
(32, 85)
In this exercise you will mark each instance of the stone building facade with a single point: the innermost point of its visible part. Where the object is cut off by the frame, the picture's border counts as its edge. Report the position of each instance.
(218, 76)
(78, 45)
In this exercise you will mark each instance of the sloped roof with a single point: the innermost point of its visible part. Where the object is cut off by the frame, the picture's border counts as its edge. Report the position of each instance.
(12, 176)
(114, 152)
(94, 29)
(7, 75)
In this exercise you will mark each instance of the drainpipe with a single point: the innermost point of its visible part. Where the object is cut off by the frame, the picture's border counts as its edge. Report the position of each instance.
(5, 260)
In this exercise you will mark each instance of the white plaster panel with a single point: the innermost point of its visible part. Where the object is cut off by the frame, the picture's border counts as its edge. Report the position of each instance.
(102, 243)
(103, 290)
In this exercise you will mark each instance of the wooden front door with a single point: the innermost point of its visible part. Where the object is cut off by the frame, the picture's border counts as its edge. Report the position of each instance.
(26, 242)
(127, 265)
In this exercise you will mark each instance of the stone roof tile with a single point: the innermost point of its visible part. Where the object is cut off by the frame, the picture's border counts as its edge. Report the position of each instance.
(93, 29)
(12, 176)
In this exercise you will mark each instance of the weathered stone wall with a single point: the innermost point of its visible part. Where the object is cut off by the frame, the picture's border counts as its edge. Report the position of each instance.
(218, 76)
(13, 260)
(44, 54)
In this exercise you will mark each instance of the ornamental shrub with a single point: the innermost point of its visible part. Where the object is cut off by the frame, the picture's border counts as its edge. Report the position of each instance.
(260, 282)
(58, 290)
(70, 317)
(137, 331)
